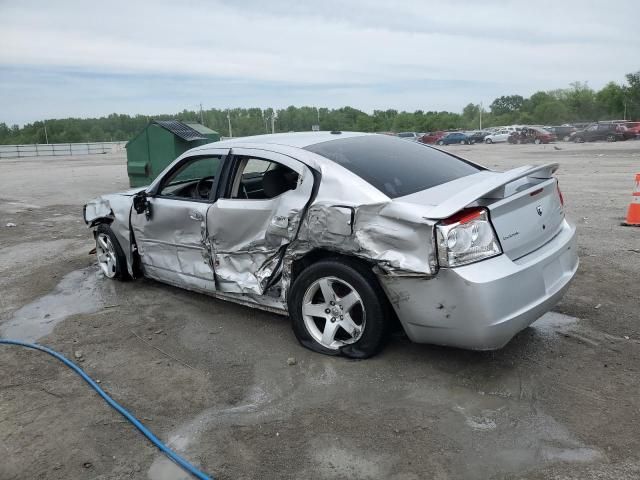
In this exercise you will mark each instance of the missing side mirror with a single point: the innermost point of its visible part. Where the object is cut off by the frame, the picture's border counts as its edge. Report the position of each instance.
(141, 204)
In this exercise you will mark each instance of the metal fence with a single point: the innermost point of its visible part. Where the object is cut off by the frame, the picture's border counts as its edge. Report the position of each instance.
(58, 149)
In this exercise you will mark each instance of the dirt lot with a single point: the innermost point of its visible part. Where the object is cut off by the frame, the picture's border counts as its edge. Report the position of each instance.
(562, 400)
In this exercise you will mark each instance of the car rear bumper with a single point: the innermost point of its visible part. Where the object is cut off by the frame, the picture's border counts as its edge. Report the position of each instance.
(483, 305)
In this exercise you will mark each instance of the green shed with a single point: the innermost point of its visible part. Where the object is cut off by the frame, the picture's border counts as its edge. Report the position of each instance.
(159, 144)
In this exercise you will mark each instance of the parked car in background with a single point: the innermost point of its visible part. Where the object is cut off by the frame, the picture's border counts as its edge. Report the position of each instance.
(477, 136)
(562, 132)
(501, 135)
(535, 135)
(452, 138)
(432, 137)
(461, 255)
(633, 127)
(408, 135)
(611, 132)
(513, 128)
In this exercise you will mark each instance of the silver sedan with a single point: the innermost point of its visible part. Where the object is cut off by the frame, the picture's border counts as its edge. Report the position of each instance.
(347, 232)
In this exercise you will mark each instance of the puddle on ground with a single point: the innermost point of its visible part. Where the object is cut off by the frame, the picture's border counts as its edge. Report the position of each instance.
(553, 322)
(13, 208)
(164, 469)
(78, 292)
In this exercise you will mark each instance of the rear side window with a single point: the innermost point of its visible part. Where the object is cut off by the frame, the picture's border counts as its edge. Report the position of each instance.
(395, 167)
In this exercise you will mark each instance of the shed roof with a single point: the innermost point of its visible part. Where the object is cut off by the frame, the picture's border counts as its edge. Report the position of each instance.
(200, 128)
(180, 129)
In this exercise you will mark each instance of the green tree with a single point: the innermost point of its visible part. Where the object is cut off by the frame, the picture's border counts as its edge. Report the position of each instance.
(632, 95)
(611, 100)
(506, 104)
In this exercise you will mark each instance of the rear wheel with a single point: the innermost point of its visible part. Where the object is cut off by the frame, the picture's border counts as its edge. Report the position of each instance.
(579, 139)
(463, 142)
(537, 141)
(111, 259)
(337, 307)
(440, 142)
(611, 138)
(566, 138)
(488, 140)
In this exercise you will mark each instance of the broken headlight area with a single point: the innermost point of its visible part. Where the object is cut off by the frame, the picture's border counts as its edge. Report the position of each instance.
(466, 237)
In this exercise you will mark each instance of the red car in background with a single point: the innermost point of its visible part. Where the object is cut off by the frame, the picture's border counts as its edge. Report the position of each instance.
(633, 127)
(432, 137)
(532, 135)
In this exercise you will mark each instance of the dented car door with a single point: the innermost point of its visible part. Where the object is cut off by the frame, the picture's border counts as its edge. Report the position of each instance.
(250, 228)
(171, 233)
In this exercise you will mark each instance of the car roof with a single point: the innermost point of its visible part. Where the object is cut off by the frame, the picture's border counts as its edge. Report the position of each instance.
(291, 144)
(292, 139)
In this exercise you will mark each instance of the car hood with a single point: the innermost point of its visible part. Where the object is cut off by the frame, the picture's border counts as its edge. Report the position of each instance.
(131, 191)
(106, 206)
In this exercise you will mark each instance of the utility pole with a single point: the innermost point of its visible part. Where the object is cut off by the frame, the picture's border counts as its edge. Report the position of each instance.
(46, 137)
(625, 110)
(480, 115)
(201, 117)
(229, 120)
(273, 122)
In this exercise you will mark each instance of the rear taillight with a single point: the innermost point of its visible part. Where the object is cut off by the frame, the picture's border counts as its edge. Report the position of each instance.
(559, 193)
(466, 237)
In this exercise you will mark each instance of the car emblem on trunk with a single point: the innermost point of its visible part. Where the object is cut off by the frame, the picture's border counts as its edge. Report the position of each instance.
(539, 210)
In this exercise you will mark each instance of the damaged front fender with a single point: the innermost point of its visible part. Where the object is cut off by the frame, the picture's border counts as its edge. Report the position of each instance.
(114, 210)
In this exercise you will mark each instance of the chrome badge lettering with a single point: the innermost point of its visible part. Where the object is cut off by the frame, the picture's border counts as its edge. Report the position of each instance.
(511, 235)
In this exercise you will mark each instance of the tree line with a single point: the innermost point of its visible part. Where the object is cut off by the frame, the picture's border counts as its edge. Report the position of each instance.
(578, 103)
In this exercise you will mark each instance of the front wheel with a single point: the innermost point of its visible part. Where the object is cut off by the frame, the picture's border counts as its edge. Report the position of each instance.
(111, 259)
(611, 138)
(440, 142)
(537, 141)
(337, 307)
(488, 140)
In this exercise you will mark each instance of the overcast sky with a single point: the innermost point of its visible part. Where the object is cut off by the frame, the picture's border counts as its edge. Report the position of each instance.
(85, 58)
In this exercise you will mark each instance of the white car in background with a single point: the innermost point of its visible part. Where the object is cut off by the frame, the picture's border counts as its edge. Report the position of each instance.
(500, 136)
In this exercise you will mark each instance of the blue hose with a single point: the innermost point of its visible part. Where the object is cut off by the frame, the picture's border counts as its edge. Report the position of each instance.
(116, 406)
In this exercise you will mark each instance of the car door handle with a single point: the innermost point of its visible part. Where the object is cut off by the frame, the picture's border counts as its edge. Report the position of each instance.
(196, 216)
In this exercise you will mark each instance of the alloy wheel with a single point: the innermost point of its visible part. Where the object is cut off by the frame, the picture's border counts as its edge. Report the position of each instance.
(106, 254)
(333, 312)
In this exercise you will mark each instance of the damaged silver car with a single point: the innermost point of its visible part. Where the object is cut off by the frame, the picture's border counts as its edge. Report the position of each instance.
(349, 233)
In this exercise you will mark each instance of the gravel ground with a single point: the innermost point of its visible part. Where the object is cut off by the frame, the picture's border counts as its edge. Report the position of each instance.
(211, 378)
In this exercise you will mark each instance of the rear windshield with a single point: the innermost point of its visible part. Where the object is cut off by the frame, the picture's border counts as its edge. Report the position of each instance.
(395, 167)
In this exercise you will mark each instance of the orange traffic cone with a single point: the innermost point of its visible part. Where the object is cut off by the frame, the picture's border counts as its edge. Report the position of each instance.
(633, 214)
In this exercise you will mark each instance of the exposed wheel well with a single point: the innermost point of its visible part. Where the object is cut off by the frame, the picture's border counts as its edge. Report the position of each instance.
(99, 221)
(321, 254)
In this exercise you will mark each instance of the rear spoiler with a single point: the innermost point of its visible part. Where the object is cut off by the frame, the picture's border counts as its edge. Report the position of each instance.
(493, 187)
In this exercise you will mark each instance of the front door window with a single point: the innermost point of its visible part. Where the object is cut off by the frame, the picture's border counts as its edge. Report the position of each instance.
(193, 180)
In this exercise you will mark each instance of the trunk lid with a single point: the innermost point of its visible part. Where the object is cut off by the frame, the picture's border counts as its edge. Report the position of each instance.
(524, 204)
(528, 219)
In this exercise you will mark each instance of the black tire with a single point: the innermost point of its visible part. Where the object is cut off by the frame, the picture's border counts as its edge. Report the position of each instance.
(440, 142)
(579, 139)
(121, 272)
(611, 138)
(488, 141)
(364, 282)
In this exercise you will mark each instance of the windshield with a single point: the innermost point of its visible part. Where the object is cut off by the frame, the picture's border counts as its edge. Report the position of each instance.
(396, 168)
